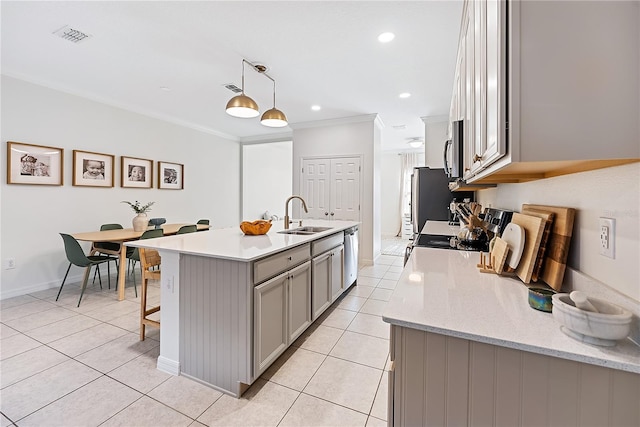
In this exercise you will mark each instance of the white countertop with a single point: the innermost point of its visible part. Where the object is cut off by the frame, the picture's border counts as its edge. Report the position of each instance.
(440, 228)
(442, 291)
(231, 243)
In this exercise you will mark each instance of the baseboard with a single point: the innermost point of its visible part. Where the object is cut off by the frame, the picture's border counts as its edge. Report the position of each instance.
(11, 293)
(168, 365)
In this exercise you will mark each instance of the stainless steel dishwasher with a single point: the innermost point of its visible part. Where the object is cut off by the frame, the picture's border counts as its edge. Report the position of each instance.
(350, 256)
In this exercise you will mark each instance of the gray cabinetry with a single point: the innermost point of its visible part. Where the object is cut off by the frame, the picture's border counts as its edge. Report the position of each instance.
(336, 261)
(327, 272)
(541, 88)
(282, 311)
(321, 288)
(328, 279)
(448, 381)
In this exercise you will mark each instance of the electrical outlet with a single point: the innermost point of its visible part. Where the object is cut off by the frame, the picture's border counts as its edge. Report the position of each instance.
(9, 263)
(607, 227)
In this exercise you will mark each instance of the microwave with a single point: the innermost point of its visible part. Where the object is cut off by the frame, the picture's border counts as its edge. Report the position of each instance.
(453, 152)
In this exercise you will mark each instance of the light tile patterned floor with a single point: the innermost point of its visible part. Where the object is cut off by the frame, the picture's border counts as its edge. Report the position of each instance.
(67, 366)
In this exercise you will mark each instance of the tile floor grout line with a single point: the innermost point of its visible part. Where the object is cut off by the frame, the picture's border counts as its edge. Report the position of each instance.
(102, 302)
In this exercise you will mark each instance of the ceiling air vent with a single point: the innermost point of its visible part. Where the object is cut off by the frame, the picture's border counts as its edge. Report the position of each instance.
(233, 88)
(71, 34)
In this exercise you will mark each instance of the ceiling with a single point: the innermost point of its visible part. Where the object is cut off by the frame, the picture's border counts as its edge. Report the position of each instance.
(319, 52)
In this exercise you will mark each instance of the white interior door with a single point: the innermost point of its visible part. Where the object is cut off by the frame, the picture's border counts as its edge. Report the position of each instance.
(331, 188)
(345, 189)
(316, 176)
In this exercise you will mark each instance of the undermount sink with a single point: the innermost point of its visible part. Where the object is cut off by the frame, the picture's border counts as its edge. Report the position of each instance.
(305, 230)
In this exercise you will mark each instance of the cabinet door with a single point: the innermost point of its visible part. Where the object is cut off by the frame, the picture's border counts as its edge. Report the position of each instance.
(496, 142)
(320, 281)
(469, 91)
(316, 188)
(478, 17)
(299, 300)
(345, 189)
(270, 322)
(337, 272)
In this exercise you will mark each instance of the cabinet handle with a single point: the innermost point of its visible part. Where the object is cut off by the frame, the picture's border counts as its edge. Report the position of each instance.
(332, 213)
(289, 258)
(326, 213)
(477, 158)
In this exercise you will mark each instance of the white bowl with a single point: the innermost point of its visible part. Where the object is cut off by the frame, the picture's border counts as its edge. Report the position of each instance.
(612, 323)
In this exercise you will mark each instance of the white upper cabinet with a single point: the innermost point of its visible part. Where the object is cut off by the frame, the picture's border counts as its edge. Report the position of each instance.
(549, 88)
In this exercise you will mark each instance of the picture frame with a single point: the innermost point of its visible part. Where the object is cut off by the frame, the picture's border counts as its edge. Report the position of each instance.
(33, 164)
(136, 172)
(92, 169)
(170, 176)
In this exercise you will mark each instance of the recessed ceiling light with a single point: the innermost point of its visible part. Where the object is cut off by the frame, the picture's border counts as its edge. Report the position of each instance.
(386, 37)
(316, 107)
(166, 89)
(404, 95)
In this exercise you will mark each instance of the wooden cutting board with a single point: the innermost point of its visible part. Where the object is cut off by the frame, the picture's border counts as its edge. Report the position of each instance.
(533, 231)
(555, 260)
(548, 218)
(499, 254)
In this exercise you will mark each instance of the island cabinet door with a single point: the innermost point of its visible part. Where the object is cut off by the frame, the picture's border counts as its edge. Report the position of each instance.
(337, 272)
(299, 299)
(321, 287)
(270, 322)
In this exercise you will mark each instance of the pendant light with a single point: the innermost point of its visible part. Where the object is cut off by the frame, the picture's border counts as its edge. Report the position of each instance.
(245, 107)
(273, 118)
(242, 105)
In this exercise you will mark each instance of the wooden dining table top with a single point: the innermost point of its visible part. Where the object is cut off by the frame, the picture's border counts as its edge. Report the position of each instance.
(126, 234)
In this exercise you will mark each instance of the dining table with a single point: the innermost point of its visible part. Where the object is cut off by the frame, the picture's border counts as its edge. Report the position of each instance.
(125, 235)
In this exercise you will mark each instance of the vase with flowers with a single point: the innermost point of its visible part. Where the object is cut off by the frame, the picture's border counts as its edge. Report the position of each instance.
(140, 221)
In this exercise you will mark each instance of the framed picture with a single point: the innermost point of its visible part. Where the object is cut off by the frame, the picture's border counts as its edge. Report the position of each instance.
(136, 173)
(34, 164)
(170, 176)
(92, 169)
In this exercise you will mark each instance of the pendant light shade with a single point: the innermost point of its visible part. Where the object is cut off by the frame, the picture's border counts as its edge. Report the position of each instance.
(242, 106)
(274, 118)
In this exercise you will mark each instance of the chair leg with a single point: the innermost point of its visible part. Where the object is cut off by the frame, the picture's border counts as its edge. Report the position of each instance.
(109, 273)
(95, 272)
(63, 280)
(84, 285)
(143, 307)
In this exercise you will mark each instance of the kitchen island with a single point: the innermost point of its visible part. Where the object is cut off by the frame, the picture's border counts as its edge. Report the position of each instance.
(231, 304)
(466, 349)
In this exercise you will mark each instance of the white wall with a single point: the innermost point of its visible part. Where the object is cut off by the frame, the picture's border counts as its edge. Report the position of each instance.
(390, 193)
(266, 178)
(435, 136)
(352, 137)
(613, 193)
(32, 216)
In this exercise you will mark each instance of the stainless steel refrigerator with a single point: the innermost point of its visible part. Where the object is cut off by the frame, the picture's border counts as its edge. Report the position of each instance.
(430, 196)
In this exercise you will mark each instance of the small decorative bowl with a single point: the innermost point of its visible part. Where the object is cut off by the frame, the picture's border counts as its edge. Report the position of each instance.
(157, 222)
(255, 228)
(540, 299)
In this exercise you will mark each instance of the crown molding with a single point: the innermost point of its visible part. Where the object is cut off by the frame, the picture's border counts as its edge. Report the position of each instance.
(434, 119)
(126, 107)
(261, 139)
(340, 121)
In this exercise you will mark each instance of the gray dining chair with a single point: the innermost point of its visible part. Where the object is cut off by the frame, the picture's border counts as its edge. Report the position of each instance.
(77, 257)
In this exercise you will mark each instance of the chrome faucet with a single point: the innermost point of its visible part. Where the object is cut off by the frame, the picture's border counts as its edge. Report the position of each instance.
(286, 209)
